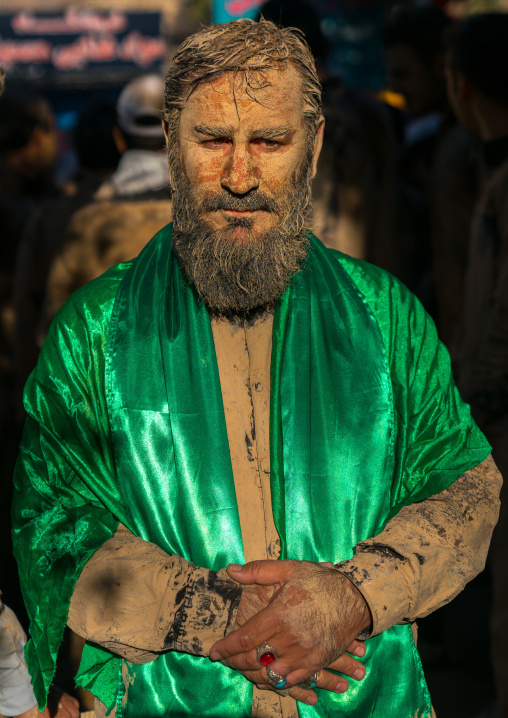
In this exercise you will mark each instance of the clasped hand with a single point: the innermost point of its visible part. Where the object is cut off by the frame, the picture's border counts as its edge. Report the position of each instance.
(309, 612)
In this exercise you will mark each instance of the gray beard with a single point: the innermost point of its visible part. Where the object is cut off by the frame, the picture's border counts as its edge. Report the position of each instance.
(237, 278)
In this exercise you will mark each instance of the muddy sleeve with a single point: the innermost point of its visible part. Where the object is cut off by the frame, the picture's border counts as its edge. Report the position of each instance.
(136, 600)
(428, 551)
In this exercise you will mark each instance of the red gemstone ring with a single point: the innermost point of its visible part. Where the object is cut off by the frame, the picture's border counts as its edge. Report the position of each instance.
(266, 654)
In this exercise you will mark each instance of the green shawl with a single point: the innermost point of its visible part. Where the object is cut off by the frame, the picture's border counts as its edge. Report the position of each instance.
(126, 423)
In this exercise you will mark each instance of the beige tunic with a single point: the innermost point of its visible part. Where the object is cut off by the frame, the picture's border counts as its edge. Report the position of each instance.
(421, 561)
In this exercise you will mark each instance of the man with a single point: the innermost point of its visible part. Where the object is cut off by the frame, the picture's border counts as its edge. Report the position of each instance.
(46, 233)
(16, 693)
(139, 140)
(437, 171)
(28, 142)
(479, 94)
(28, 146)
(414, 54)
(27, 153)
(160, 446)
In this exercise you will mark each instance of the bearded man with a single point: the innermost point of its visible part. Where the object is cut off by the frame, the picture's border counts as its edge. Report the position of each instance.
(238, 393)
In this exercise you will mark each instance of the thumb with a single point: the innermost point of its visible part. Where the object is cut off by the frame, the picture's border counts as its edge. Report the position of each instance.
(264, 573)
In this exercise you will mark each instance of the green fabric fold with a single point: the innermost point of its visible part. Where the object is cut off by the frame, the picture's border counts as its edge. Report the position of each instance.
(364, 420)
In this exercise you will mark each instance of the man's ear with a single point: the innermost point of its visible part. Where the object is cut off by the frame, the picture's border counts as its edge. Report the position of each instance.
(119, 140)
(318, 144)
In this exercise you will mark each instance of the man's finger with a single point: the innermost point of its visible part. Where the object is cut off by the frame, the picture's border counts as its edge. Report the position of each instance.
(264, 573)
(303, 695)
(330, 682)
(349, 666)
(327, 682)
(296, 692)
(357, 648)
(244, 662)
(257, 677)
(258, 629)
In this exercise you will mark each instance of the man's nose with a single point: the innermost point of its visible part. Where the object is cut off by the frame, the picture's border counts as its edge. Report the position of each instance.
(240, 174)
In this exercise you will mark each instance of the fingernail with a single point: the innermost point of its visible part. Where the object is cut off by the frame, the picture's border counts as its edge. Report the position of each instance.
(215, 656)
(359, 674)
(311, 700)
(341, 687)
(360, 651)
(235, 566)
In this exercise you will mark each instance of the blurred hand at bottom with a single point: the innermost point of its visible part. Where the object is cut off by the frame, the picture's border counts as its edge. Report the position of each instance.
(60, 705)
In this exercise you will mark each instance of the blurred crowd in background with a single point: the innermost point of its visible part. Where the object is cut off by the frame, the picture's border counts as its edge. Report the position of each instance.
(413, 177)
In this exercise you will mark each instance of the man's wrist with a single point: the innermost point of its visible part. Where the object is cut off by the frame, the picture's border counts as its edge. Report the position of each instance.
(360, 611)
(207, 612)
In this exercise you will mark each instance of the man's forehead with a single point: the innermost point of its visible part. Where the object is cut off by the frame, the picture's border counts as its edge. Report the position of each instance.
(276, 90)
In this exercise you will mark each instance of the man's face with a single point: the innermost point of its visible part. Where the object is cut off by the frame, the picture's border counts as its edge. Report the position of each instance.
(235, 146)
(407, 75)
(461, 98)
(241, 188)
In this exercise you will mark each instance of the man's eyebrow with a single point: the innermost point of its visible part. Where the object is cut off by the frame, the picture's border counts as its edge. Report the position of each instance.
(267, 133)
(271, 133)
(213, 131)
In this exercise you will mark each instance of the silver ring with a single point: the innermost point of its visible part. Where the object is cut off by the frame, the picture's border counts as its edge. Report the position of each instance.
(274, 679)
(266, 654)
(311, 681)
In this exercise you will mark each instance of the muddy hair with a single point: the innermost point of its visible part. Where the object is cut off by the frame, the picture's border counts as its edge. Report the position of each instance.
(241, 47)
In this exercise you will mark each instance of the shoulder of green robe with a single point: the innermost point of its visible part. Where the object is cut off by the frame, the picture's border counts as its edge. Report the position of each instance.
(434, 430)
(91, 306)
(375, 283)
(78, 334)
(99, 294)
(398, 313)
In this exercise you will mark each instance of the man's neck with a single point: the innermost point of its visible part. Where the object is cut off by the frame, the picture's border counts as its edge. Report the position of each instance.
(243, 318)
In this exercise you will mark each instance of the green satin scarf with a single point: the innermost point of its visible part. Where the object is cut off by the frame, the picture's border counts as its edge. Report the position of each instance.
(364, 419)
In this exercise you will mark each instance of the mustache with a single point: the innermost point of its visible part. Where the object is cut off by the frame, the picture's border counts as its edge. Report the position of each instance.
(251, 202)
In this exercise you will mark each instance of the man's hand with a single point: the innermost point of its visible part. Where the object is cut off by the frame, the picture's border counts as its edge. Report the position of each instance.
(60, 705)
(312, 618)
(254, 599)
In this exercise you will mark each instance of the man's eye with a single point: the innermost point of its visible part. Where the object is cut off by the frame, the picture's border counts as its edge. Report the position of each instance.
(268, 144)
(216, 142)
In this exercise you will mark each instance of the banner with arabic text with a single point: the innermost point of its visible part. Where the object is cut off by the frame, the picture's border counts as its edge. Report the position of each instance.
(79, 46)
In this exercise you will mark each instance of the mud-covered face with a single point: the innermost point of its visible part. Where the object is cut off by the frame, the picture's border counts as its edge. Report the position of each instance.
(242, 189)
(241, 150)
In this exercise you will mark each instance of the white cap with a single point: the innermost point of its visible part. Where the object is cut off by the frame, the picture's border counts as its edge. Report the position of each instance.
(139, 107)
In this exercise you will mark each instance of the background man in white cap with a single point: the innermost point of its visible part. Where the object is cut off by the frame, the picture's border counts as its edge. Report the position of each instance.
(139, 139)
